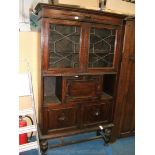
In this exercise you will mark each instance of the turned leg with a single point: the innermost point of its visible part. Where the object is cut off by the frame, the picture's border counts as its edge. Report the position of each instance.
(44, 146)
(105, 133)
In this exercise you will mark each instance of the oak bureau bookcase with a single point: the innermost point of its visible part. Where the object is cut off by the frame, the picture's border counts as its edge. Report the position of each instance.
(81, 56)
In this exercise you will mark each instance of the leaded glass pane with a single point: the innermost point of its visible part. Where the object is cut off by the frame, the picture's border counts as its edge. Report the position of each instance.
(101, 48)
(64, 46)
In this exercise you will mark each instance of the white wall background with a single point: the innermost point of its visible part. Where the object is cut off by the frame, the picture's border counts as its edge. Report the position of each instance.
(120, 6)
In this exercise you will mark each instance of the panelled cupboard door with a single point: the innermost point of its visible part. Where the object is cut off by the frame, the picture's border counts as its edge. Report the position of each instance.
(82, 88)
(96, 114)
(76, 47)
(124, 117)
(60, 119)
(128, 119)
(127, 124)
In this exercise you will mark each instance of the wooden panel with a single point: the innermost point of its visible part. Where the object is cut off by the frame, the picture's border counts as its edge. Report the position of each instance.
(125, 102)
(87, 88)
(81, 87)
(129, 108)
(127, 118)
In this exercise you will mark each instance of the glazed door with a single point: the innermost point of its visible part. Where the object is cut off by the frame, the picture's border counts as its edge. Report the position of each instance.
(61, 46)
(103, 48)
(76, 47)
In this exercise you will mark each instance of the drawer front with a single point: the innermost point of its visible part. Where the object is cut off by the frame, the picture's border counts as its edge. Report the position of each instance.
(95, 114)
(58, 119)
(82, 88)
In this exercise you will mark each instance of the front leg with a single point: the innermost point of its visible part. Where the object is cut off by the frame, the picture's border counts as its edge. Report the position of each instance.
(44, 147)
(105, 133)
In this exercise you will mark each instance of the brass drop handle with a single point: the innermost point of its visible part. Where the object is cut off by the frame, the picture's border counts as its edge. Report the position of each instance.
(97, 113)
(62, 117)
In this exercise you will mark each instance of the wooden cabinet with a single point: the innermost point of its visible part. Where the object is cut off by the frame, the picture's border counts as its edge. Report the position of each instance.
(81, 56)
(125, 103)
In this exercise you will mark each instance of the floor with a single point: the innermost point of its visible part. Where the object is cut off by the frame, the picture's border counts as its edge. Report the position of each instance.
(123, 146)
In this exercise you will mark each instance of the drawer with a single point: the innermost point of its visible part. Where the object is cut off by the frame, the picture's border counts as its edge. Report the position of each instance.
(81, 88)
(96, 114)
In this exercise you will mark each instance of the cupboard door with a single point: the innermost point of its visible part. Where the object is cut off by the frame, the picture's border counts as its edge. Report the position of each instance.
(60, 119)
(82, 88)
(64, 46)
(125, 101)
(128, 68)
(76, 47)
(127, 125)
(62, 50)
(104, 48)
(97, 114)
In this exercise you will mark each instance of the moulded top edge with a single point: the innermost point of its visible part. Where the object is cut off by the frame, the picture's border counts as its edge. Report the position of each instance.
(67, 8)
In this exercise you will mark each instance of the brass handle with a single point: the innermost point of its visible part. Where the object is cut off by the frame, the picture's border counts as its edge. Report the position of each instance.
(62, 117)
(97, 113)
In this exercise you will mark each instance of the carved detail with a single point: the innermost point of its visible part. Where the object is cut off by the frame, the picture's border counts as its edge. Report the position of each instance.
(44, 146)
(107, 132)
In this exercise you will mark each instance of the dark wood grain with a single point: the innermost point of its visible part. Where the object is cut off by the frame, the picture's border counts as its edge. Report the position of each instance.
(125, 102)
